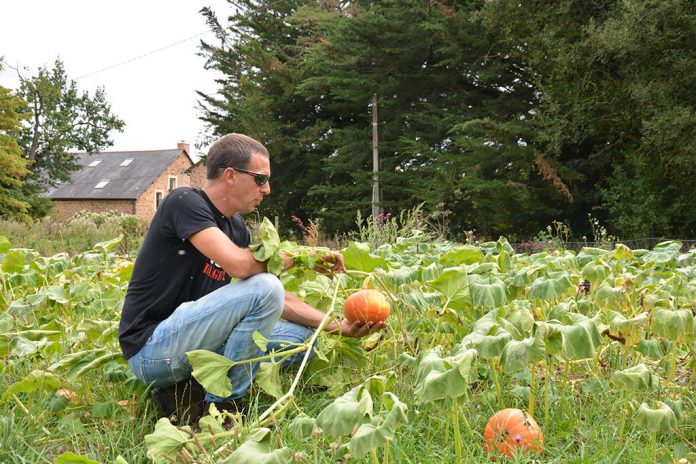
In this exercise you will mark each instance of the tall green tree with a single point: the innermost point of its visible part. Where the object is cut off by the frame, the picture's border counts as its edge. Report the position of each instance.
(616, 111)
(13, 166)
(63, 121)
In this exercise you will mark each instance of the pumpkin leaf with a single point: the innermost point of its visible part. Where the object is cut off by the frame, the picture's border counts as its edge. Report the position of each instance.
(165, 440)
(72, 458)
(636, 378)
(357, 256)
(347, 411)
(462, 254)
(453, 283)
(487, 291)
(210, 369)
(302, 426)
(518, 354)
(258, 449)
(656, 417)
(550, 287)
(370, 436)
(268, 378)
(440, 377)
(36, 381)
(675, 325)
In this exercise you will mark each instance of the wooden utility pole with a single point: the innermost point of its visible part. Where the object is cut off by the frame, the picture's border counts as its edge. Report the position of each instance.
(376, 197)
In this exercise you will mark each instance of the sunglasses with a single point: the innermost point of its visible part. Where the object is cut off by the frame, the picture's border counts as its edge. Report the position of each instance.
(259, 178)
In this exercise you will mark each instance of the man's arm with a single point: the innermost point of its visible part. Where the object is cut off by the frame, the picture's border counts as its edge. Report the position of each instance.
(299, 312)
(236, 261)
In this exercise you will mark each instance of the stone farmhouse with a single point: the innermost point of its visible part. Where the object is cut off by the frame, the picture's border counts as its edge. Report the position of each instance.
(129, 182)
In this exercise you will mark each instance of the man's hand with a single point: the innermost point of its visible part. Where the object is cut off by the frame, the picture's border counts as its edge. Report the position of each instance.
(355, 329)
(330, 264)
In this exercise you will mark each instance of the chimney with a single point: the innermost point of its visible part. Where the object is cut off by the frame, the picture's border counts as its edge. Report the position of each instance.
(183, 146)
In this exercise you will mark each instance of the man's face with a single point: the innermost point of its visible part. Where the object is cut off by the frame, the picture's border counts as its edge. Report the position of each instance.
(248, 192)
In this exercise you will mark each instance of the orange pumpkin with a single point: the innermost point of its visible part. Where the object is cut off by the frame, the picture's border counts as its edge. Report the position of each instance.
(510, 429)
(366, 306)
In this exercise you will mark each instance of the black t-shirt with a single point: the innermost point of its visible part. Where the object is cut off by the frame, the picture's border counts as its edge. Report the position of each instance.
(169, 270)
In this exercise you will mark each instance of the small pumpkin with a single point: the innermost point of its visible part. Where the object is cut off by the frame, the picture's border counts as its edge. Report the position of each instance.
(367, 306)
(512, 429)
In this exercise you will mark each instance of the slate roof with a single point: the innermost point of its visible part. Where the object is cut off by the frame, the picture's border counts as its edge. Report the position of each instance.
(125, 182)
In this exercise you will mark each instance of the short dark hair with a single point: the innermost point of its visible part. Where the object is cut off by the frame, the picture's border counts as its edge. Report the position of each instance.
(232, 150)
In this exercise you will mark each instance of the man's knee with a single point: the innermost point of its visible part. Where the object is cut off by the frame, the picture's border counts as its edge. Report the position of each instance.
(270, 289)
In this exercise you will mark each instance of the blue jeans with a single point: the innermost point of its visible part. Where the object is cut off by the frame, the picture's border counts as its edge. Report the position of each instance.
(222, 321)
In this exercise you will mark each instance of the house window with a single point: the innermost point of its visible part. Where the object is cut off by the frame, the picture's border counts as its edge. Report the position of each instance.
(101, 184)
(126, 162)
(172, 183)
(158, 198)
(94, 163)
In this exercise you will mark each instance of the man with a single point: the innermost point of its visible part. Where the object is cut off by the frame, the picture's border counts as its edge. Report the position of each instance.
(180, 298)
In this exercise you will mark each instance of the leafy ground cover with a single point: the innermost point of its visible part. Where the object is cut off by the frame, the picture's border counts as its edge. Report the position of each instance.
(598, 346)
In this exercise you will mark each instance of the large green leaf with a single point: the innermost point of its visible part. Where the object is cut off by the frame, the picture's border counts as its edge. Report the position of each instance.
(518, 354)
(164, 441)
(302, 426)
(487, 291)
(14, 261)
(72, 458)
(636, 378)
(357, 256)
(268, 378)
(665, 252)
(462, 254)
(346, 412)
(656, 417)
(440, 377)
(631, 330)
(210, 369)
(36, 381)
(258, 449)
(489, 344)
(676, 325)
(453, 283)
(554, 286)
(372, 436)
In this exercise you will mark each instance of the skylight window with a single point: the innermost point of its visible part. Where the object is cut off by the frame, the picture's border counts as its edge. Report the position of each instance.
(101, 184)
(126, 162)
(94, 163)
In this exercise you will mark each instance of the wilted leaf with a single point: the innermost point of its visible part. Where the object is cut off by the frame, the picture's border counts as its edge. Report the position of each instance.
(165, 440)
(258, 449)
(210, 369)
(439, 378)
(551, 287)
(370, 436)
(268, 378)
(636, 378)
(657, 417)
(676, 325)
(36, 380)
(347, 411)
(302, 426)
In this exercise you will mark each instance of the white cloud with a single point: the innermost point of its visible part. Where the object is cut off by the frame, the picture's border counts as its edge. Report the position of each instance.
(154, 94)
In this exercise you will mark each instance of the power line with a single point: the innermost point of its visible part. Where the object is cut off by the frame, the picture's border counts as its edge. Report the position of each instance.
(130, 60)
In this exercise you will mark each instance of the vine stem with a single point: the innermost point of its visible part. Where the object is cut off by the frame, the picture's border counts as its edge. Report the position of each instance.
(531, 390)
(673, 367)
(457, 435)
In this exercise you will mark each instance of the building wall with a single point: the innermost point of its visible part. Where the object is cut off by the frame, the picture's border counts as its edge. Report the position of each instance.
(63, 210)
(198, 175)
(145, 205)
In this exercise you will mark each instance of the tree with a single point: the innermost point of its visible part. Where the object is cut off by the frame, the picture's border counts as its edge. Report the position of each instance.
(615, 112)
(13, 167)
(63, 121)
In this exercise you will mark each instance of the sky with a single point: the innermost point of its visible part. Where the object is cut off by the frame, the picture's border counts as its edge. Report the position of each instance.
(143, 53)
